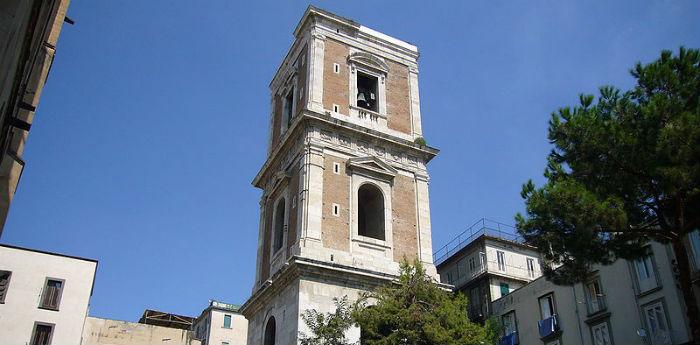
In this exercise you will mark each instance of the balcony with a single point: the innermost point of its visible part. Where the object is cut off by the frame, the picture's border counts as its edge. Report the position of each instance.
(596, 304)
(509, 339)
(548, 327)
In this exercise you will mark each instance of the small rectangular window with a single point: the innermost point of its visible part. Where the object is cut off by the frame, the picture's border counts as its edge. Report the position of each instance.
(227, 321)
(336, 168)
(51, 297)
(4, 284)
(42, 334)
(336, 68)
(508, 323)
(595, 299)
(501, 257)
(530, 267)
(694, 237)
(336, 210)
(645, 272)
(505, 289)
(336, 108)
(294, 201)
(547, 306)
(472, 265)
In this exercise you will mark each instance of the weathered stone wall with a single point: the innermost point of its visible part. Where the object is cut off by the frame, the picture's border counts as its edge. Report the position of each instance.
(335, 231)
(99, 331)
(335, 85)
(283, 305)
(404, 218)
(398, 98)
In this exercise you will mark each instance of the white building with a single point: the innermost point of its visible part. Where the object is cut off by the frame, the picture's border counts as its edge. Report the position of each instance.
(221, 324)
(44, 297)
(487, 262)
(624, 303)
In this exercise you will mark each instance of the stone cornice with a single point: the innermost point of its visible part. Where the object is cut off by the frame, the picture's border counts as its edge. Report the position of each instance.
(310, 116)
(300, 267)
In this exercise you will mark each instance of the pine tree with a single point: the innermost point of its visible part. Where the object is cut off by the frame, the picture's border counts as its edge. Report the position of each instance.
(625, 170)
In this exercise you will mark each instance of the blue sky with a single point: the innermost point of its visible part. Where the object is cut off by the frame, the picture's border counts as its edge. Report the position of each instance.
(154, 122)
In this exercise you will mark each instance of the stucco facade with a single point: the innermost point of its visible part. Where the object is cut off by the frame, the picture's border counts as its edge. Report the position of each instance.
(345, 187)
(113, 332)
(221, 324)
(486, 267)
(628, 302)
(42, 289)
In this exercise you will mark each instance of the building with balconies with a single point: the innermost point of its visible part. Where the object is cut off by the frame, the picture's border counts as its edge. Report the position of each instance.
(485, 262)
(628, 302)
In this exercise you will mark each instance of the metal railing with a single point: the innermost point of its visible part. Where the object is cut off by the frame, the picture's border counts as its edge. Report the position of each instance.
(481, 227)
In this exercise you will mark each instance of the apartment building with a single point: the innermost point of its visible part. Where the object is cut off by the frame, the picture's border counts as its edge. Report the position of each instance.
(44, 297)
(29, 31)
(221, 324)
(486, 262)
(628, 302)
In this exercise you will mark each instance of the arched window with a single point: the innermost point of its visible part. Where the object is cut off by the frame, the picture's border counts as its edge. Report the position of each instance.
(270, 332)
(370, 212)
(278, 234)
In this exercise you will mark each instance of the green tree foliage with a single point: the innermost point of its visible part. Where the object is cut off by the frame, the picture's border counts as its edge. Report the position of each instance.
(625, 170)
(415, 310)
(328, 328)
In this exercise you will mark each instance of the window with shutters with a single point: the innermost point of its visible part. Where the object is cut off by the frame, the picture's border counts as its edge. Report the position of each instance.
(4, 284)
(51, 298)
(657, 323)
(505, 289)
(601, 334)
(42, 334)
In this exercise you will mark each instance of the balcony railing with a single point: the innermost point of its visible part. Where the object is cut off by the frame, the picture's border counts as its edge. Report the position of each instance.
(548, 327)
(482, 227)
(596, 304)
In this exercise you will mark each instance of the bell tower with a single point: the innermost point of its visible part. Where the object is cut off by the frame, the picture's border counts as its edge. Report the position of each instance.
(345, 183)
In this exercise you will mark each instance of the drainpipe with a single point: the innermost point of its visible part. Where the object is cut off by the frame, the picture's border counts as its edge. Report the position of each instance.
(578, 316)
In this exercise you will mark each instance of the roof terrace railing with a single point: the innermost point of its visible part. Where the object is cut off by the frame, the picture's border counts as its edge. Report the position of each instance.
(482, 226)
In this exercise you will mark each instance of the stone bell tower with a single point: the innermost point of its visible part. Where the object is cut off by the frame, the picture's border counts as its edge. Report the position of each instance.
(345, 186)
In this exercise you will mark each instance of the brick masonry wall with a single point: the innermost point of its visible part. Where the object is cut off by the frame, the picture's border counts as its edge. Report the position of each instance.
(398, 98)
(404, 218)
(335, 230)
(335, 86)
